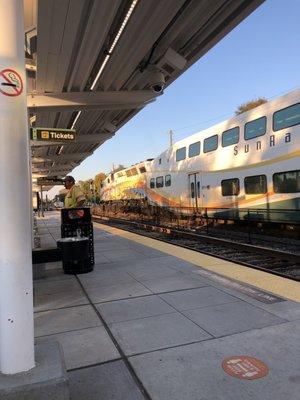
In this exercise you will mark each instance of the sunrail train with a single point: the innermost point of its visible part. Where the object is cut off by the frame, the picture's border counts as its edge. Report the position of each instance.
(251, 161)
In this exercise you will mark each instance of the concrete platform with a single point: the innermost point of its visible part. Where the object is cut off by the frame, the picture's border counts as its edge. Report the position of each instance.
(46, 381)
(147, 325)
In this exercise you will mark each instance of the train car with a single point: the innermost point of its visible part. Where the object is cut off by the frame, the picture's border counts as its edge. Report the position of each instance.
(127, 184)
(245, 167)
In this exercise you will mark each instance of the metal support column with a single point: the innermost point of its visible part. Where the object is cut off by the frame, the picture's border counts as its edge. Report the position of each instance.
(42, 202)
(16, 307)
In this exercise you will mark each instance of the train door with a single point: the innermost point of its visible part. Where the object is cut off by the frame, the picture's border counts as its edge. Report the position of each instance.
(195, 191)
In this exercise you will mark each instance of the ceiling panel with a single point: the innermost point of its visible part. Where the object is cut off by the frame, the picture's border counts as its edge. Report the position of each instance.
(73, 39)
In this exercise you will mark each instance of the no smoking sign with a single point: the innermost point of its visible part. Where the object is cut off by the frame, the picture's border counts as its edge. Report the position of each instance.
(11, 83)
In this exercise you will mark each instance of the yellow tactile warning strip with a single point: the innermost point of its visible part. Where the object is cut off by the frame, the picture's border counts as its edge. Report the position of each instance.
(262, 280)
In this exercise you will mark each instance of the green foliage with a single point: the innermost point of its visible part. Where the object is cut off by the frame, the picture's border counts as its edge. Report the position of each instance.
(86, 189)
(97, 181)
(91, 187)
(250, 105)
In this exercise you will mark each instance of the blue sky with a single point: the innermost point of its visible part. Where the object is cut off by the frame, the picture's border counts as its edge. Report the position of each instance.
(259, 58)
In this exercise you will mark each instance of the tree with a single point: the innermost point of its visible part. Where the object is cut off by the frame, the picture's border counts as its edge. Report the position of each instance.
(97, 181)
(85, 188)
(249, 105)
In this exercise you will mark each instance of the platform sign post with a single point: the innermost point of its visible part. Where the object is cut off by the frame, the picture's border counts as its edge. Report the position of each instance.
(42, 200)
(16, 305)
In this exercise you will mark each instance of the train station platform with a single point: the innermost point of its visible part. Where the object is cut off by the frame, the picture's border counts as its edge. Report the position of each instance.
(148, 325)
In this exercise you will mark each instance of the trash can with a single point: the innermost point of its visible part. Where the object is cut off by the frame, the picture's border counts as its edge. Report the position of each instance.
(75, 255)
(77, 222)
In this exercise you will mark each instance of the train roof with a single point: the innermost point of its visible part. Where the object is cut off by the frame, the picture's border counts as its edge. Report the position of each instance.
(127, 168)
(227, 124)
(241, 118)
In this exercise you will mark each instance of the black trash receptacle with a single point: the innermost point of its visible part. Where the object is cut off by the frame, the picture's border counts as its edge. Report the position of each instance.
(78, 222)
(75, 255)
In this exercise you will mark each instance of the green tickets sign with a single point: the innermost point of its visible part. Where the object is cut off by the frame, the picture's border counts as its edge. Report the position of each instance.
(52, 135)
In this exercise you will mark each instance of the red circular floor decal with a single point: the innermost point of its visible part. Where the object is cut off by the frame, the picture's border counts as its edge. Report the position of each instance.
(245, 367)
(11, 83)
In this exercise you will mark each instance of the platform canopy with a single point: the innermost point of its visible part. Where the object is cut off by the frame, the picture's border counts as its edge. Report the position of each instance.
(92, 65)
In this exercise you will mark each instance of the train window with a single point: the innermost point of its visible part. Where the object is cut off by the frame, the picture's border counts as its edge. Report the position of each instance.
(160, 181)
(168, 180)
(181, 154)
(286, 117)
(142, 170)
(287, 182)
(231, 136)
(255, 184)
(255, 128)
(230, 187)
(152, 183)
(192, 190)
(210, 144)
(198, 189)
(133, 171)
(194, 149)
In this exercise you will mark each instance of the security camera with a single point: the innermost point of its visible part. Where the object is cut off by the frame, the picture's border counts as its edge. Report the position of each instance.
(157, 81)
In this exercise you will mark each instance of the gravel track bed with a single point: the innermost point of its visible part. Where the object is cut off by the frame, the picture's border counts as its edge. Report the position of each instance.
(279, 266)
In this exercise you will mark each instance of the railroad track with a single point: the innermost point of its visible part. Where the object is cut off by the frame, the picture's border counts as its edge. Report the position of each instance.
(273, 261)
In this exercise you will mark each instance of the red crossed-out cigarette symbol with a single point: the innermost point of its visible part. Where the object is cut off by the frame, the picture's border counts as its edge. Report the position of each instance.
(10, 83)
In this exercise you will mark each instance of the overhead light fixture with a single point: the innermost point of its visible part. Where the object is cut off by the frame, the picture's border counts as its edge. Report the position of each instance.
(116, 39)
(76, 118)
(59, 150)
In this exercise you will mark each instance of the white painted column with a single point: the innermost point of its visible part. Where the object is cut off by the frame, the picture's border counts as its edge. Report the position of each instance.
(16, 308)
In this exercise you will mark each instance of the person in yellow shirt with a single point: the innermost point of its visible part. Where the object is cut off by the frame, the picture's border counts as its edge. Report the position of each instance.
(74, 197)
